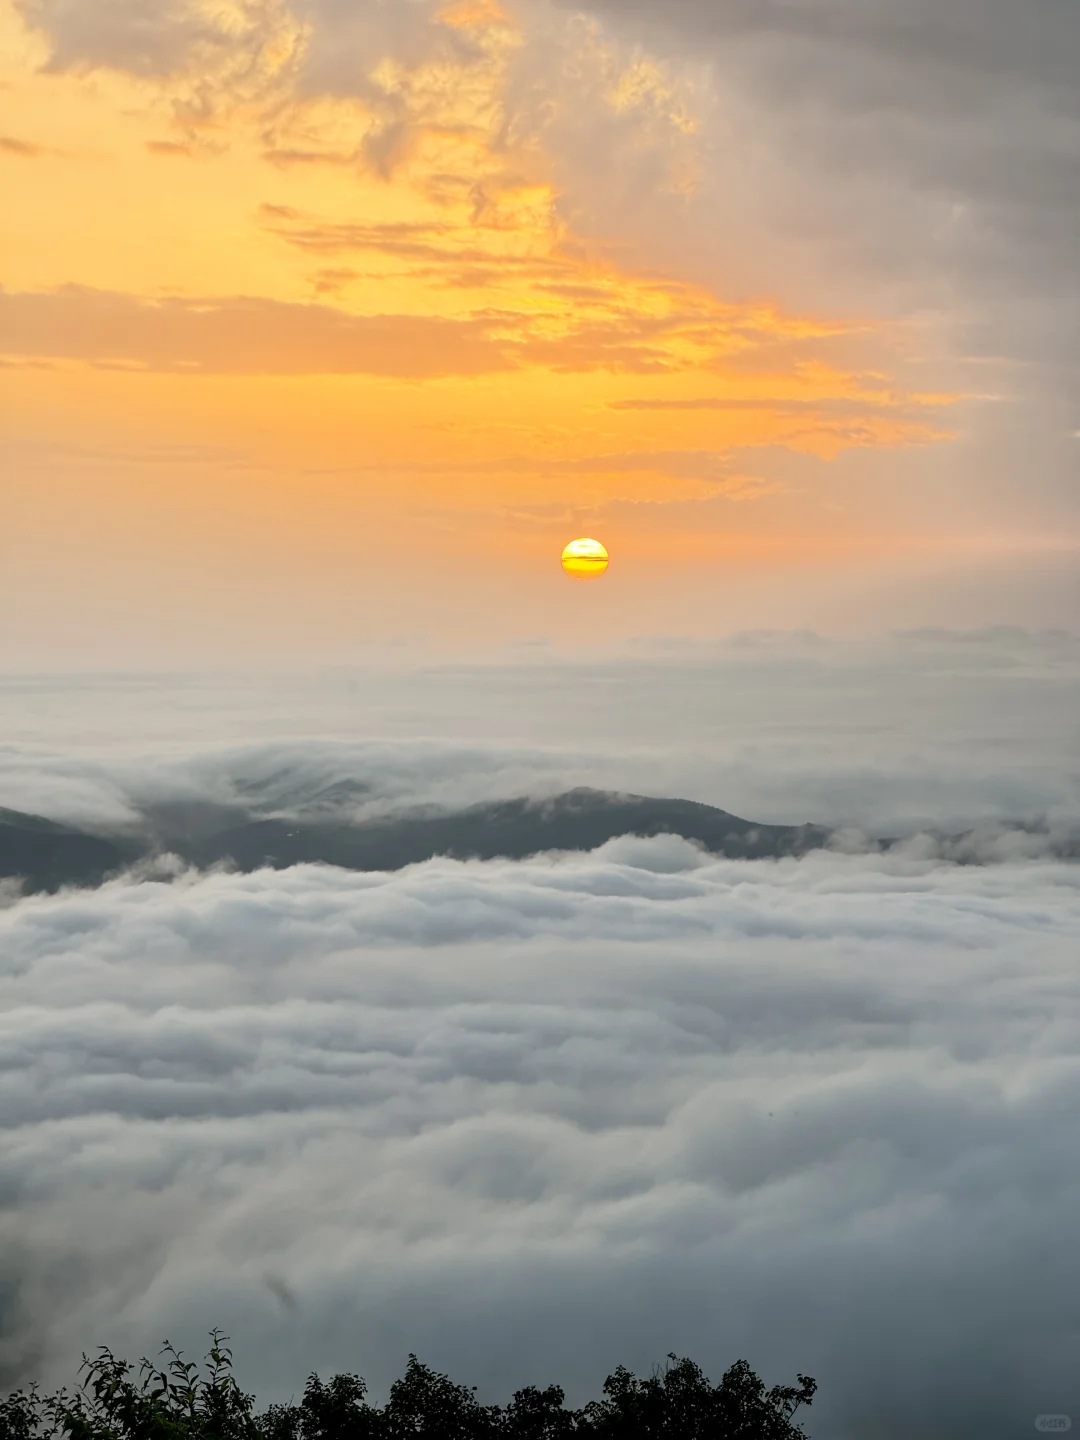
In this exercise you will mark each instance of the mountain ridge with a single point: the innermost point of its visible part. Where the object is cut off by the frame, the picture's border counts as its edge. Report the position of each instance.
(45, 855)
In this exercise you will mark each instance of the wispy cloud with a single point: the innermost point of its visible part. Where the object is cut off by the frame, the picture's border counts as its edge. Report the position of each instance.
(24, 149)
(245, 335)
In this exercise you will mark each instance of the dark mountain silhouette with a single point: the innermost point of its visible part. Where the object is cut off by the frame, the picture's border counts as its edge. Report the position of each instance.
(45, 855)
(514, 829)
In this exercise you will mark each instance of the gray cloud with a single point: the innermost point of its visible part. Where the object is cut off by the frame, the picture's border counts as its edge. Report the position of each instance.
(914, 161)
(593, 1108)
(933, 144)
(150, 40)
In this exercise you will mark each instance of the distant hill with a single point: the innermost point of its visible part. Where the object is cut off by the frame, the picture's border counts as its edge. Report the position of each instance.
(514, 829)
(46, 855)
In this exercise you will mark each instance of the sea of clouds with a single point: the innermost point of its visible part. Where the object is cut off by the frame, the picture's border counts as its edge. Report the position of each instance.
(535, 1119)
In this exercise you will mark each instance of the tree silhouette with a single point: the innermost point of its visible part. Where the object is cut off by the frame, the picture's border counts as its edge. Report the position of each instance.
(175, 1400)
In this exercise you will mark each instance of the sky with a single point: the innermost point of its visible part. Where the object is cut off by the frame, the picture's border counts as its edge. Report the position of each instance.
(326, 326)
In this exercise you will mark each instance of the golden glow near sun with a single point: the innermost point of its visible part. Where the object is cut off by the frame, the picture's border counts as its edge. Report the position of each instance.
(584, 559)
(329, 310)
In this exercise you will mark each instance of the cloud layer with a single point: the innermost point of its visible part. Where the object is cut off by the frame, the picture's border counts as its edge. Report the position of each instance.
(933, 729)
(534, 1120)
(591, 1109)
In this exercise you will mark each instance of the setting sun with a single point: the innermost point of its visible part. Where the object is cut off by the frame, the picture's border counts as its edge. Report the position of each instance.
(584, 559)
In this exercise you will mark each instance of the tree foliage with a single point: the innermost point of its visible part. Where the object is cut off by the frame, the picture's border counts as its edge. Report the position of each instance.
(174, 1399)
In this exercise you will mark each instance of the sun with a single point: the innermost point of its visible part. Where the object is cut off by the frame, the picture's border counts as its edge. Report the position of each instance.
(584, 559)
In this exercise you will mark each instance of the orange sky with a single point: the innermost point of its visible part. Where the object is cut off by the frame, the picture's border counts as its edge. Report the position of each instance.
(250, 324)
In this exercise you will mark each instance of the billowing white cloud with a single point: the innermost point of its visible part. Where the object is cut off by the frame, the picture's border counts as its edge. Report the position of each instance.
(536, 1119)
